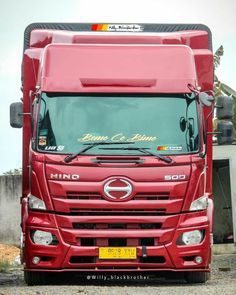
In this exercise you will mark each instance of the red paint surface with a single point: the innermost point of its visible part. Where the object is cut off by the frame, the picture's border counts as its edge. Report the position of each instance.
(116, 68)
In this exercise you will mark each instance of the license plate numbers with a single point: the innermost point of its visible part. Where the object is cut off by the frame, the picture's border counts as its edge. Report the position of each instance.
(117, 253)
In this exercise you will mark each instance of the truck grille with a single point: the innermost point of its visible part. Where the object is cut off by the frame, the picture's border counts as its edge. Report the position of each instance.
(94, 226)
(172, 205)
(96, 196)
(83, 196)
(137, 230)
(87, 220)
(87, 197)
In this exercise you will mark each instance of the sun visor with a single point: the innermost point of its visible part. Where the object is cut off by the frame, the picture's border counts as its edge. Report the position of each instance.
(117, 68)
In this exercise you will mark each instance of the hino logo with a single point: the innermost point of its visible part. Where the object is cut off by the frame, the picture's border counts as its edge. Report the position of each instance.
(118, 189)
(64, 176)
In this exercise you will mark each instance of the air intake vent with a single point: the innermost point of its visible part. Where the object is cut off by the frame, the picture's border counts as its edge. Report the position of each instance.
(83, 196)
(77, 225)
(116, 213)
(152, 197)
(82, 259)
(147, 242)
(144, 226)
(87, 242)
(117, 242)
(150, 225)
(153, 259)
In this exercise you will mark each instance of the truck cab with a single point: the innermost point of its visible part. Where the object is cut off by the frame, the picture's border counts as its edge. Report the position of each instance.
(117, 164)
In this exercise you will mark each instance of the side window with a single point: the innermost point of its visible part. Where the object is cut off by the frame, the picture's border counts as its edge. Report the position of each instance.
(45, 132)
(34, 111)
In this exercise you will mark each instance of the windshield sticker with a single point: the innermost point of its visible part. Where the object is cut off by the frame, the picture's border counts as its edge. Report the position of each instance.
(165, 148)
(117, 27)
(42, 140)
(117, 137)
(54, 148)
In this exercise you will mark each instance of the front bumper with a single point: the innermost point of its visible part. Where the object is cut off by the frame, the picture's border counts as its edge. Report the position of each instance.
(163, 255)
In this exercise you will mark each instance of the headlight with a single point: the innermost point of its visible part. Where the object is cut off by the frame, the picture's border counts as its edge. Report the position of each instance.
(36, 203)
(199, 204)
(190, 238)
(40, 237)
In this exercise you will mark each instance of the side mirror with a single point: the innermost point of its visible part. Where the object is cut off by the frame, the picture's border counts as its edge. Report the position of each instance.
(16, 114)
(206, 99)
(182, 124)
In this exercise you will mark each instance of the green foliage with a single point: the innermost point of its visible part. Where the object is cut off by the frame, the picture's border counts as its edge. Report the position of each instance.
(4, 266)
(219, 87)
(13, 172)
(219, 52)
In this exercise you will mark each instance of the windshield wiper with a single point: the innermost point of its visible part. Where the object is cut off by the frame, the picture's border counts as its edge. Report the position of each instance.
(90, 145)
(144, 151)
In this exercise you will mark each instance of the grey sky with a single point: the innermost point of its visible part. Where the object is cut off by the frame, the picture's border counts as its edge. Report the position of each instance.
(219, 15)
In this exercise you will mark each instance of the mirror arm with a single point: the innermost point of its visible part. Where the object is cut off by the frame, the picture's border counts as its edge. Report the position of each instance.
(24, 114)
(193, 89)
(215, 132)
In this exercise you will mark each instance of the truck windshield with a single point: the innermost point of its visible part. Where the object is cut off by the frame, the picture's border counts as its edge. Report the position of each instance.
(162, 124)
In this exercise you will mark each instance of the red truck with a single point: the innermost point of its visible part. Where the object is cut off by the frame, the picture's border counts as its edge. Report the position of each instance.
(117, 164)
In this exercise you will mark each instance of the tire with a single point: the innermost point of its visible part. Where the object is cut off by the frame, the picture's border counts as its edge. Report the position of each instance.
(198, 277)
(35, 278)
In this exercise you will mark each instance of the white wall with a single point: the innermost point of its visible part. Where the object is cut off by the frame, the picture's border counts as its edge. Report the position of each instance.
(221, 152)
(10, 193)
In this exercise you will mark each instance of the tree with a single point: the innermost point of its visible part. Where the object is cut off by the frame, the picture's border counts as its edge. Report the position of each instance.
(13, 172)
(223, 89)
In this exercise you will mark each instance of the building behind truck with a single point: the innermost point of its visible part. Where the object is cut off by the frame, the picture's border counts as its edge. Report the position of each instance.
(117, 164)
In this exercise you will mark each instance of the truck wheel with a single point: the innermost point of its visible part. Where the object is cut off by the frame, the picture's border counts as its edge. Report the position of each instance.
(197, 277)
(35, 278)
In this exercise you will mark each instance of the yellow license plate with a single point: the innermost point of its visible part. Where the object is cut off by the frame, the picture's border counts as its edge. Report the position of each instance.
(117, 253)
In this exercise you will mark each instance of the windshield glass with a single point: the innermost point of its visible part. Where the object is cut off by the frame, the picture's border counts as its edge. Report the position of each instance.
(161, 124)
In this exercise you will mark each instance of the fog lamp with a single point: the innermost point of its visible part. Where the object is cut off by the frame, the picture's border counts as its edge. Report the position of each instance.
(198, 259)
(36, 260)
